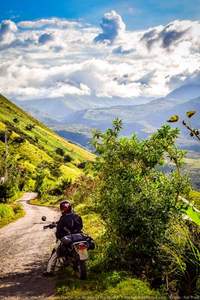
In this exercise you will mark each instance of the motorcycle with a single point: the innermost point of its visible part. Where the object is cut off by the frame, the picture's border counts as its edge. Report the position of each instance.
(73, 250)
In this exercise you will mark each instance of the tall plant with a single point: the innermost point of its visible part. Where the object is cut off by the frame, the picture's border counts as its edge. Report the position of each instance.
(134, 197)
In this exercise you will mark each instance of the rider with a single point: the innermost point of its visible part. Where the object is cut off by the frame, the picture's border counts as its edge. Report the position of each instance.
(69, 223)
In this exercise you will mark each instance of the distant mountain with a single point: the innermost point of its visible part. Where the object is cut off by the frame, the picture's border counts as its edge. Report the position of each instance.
(69, 116)
(68, 110)
(185, 92)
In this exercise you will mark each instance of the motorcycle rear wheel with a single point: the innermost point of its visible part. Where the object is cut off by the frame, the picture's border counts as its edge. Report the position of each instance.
(82, 269)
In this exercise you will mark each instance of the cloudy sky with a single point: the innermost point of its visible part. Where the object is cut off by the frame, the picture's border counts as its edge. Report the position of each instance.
(127, 50)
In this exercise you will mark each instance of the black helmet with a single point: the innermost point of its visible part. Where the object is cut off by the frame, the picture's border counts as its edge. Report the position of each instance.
(65, 206)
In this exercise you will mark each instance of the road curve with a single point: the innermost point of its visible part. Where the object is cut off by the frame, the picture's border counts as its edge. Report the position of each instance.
(24, 250)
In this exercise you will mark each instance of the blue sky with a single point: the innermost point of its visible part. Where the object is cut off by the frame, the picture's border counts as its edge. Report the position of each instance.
(136, 14)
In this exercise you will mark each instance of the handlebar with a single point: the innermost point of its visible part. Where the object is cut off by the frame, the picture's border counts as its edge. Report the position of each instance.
(50, 226)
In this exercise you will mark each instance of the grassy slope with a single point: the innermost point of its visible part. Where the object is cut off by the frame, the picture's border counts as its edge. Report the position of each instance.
(48, 141)
(41, 142)
(39, 146)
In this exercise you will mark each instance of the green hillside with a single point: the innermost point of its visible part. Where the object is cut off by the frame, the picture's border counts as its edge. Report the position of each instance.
(37, 159)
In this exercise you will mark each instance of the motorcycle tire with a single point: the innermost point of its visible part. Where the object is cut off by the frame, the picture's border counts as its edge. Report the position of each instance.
(82, 270)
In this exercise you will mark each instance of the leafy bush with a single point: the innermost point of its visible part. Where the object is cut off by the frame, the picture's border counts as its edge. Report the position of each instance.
(67, 158)
(19, 139)
(60, 187)
(6, 212)
(29, 127)
(81, 165)
(60, 151)
(2, 136)
(10, 213)
(134, 198)
(15, 120)
(81, 190)
(8, 189)
(29, 185)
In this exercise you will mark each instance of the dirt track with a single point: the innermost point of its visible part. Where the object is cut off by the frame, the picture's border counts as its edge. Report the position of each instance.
(24, 250)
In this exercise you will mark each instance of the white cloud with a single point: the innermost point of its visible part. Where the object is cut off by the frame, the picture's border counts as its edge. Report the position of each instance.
(57, 58)
(172, 34)
(112, 26)
(7, 32)
(123, 51)
(48, 23)
(45, 38)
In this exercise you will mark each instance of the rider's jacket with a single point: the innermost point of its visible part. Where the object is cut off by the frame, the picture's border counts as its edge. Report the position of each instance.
(68, 223)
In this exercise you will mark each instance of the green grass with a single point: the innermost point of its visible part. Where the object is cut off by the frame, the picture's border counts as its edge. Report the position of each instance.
(193, 215)
(50, 202)
(110, 285)
(39, 147)
(10, 213)
(194, 198)
(40, 136)
(191, 209)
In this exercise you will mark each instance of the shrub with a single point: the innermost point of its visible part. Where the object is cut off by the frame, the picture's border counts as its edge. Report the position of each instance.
(9, 213)
(60, 187)
(19, 139)
(60, 151)
(7, 190)
(81, 190)
(67, 158)
(81, 165)
(6, 212)
(2, 135)
(29, 127)
(134, 198)
(15, 120)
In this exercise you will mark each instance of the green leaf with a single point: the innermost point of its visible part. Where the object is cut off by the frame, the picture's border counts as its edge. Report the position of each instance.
(173, 119)
(190, 113)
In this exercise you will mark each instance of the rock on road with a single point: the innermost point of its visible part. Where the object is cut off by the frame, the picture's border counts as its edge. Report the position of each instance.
(24, 250)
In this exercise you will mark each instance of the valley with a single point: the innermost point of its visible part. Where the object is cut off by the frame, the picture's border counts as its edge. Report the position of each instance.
(75, 120)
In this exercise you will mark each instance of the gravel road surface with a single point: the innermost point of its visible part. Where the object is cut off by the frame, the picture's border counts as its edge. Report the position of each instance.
(24, 250)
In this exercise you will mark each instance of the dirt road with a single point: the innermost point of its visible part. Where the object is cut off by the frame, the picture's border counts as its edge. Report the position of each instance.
(24, 250)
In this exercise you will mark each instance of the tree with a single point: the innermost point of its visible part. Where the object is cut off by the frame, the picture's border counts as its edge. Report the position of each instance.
(67, 158)
(10, 185)
(30, 126)
(60, 151)
(134, 197)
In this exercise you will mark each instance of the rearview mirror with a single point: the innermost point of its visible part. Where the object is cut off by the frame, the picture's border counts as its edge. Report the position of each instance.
(44, 218)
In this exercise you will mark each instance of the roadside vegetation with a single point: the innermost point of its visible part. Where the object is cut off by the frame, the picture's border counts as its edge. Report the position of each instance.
(195, 199)
(101, 283)
(143, 238)
(9, 213)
